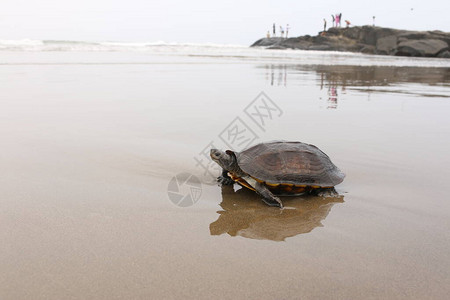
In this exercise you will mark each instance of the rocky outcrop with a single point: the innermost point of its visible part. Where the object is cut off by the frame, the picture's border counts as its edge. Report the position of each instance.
(265, 42)
(444, 54)
(426, 48)
(386, 45)
(368, 39)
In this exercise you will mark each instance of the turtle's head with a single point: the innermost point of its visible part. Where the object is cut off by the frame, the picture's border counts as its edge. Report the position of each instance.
(227, 160)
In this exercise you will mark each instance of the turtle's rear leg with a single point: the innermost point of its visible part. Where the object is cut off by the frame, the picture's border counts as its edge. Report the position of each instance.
(224, 179)
(267, 195)
(325, 192)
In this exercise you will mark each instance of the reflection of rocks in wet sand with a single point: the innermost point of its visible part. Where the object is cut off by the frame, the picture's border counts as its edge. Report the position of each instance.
(354, 76)
(246, 215)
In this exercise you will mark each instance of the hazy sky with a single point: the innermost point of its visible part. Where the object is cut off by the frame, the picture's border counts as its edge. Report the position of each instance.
(225, 22)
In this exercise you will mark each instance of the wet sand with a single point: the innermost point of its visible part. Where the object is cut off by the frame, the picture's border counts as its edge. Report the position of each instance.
(88, 151)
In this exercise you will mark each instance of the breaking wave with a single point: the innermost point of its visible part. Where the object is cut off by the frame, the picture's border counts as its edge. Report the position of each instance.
(221, 51)
(61, 45)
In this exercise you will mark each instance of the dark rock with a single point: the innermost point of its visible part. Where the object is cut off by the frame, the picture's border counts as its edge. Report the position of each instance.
(320, 47)
(296, 43)
(368, 35)
(386, 45)
(352, 33)
(302, 46)
(368, 49)
(334, 31)
(444, 54)
(415, 35)
(423, 48)
(277, 48)
(439, 35)
(320, 39)
(265, 42)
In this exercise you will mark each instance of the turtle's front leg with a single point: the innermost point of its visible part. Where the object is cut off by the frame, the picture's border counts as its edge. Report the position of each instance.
(224, 179)
(267, 195)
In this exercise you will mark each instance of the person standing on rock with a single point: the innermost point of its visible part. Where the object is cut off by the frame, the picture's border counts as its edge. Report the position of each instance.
(268, 34)
(332, 22)
(287, 30)
(274, 33)
(324, 24)
(337, 20)
(340, 19)
(281, 31)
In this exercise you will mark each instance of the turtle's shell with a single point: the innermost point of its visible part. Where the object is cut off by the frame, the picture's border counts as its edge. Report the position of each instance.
(289, 163)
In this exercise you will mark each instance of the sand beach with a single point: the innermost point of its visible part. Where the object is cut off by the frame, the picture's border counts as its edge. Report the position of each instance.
(91, 139)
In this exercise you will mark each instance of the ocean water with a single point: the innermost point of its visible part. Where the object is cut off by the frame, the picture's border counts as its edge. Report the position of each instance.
(94, 135)
(230, 52)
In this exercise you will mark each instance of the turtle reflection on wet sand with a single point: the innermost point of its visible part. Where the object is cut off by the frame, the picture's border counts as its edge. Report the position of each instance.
(252, 219)
(280, 168)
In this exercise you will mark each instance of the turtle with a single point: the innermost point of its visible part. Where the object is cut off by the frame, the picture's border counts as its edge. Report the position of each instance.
(283, 168)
